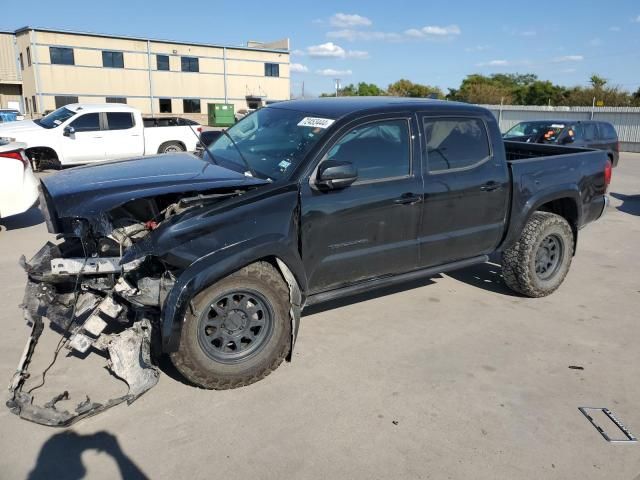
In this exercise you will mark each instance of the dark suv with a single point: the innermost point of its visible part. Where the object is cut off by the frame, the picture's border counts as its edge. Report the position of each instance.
(587, 134)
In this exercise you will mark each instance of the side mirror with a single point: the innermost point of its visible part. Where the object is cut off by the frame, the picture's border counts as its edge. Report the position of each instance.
(68, 131)
(335, 174)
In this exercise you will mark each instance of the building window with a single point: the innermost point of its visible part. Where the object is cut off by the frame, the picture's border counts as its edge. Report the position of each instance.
(189, 64)
(61, 56)
(28, 56)
(112, 59)
(21, 62)
(116, 100)
(34, 103)
(120, 120)
(165, 105)
(190, 106)
(26, 105)
(271, 70)
(62, 100)
(162, 62)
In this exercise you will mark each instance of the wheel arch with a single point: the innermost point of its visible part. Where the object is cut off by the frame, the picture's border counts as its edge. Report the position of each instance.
(207, 271)
(43, 149)
(179, 142)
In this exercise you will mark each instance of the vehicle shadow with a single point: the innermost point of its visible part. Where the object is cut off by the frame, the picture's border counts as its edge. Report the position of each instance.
(487, 276)
(61, 456)
(630, 203)
(23, 220)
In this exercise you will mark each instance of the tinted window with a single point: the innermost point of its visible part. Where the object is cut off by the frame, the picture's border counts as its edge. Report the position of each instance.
(189, 64)
(61, 56)
(607, 131)
(271, 70)
(378, 150)
(21, 62)
(112, 59)
(455, 143)
(28, 56)
(62, 100)
(165, 105)
(120, 120)
(162, 62)
(590, 131)
(87, 123)
(116, 100)
(191, 106)
(34, 103)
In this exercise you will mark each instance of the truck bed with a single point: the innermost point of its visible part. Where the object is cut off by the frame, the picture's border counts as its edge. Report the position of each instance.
(542, 173)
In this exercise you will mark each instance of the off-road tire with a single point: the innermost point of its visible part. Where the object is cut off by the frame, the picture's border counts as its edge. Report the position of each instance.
(191, 360)
(518, 262)
(171, 147)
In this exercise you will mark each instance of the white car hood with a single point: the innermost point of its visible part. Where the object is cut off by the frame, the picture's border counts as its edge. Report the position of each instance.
(16, 129)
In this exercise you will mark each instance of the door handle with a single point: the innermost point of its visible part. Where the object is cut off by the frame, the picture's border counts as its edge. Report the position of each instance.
(407, 199)
(490, 186)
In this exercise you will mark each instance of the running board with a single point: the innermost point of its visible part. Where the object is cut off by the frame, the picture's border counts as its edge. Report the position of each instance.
(387, 281)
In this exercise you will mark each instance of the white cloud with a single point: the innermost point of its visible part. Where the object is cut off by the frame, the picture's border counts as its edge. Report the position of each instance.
(352, 35)
(332, 50)
(615, 28)
(528, 33)
(433, 31)
(477, 48)
(328, 49)
(349, 20)
(298, 68)
(595, 42)
(359, 54)
(330, 72)
(298, 52)
(494, 63)
(568, 58)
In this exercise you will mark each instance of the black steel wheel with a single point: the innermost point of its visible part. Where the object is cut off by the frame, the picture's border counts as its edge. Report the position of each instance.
(549, 256)
(238, 330)
(236, 325)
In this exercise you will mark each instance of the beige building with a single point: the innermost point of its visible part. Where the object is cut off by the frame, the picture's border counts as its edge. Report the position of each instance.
(44, 69)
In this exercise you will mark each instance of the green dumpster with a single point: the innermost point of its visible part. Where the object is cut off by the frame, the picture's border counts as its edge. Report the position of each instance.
(221, 114)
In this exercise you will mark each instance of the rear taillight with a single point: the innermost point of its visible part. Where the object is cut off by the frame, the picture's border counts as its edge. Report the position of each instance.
(608, 169)
(16, 155)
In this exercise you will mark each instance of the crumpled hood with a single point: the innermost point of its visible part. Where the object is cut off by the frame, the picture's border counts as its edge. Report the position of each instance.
(86, 192)
(15, 129)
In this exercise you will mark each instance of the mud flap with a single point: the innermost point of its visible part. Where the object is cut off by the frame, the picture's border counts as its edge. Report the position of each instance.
(129, 360)
(295, 297)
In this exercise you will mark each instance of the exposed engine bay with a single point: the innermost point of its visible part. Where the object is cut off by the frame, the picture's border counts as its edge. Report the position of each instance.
(100, 304)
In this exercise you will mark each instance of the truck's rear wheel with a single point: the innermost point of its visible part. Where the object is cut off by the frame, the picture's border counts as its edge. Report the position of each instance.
(171, 147)
(539, 261)
(239, 330)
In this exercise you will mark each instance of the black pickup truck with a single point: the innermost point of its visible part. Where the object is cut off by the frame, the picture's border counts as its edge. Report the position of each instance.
(212, 259)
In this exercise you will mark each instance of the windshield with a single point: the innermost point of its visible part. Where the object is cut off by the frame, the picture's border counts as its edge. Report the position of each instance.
(269, 143)
(540, 130)
(55, 118)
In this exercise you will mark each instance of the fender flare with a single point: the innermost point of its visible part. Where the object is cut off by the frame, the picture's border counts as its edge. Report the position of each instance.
(518, 219)
(217, 265)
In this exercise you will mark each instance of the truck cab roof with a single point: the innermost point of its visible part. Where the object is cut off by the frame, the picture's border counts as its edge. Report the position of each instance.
(99, 107)
(338, 107)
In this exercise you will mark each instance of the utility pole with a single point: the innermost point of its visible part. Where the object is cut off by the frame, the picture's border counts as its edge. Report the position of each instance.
(337, 80)
(303, 89)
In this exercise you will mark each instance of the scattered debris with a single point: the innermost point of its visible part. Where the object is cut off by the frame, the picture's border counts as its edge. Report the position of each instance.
(576, 367)
(629, 437)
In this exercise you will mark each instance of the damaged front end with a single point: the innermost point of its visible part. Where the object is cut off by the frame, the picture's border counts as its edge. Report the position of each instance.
(94, 303)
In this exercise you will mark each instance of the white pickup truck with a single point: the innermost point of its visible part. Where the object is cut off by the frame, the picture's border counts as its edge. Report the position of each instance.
(87, 133)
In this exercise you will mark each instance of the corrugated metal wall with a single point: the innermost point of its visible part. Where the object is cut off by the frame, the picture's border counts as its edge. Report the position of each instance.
(626, 120)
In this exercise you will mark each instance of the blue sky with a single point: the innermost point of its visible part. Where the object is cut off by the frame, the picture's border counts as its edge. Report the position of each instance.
(437, 43)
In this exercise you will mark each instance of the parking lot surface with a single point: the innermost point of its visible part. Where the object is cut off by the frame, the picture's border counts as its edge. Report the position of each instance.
(452, 377)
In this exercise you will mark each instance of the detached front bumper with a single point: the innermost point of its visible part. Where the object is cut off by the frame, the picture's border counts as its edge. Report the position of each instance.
(89, 317)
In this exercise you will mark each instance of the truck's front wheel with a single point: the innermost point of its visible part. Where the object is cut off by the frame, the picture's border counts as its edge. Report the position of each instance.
(539, 261)
(238, 331)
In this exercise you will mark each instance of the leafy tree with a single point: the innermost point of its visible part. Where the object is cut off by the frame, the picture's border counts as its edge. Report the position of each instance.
(406, 88)
(597, 81)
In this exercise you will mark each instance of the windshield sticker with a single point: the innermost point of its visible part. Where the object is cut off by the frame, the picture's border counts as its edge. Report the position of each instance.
(57, 122)
(557, 125)
(315, 122)
(284, 164)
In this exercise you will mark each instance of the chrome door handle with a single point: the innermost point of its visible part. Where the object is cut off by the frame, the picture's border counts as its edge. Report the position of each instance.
(490, 186)
(407, 199)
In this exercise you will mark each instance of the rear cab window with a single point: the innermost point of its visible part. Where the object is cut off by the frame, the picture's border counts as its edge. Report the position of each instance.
(454, 143)
(120, 120)
(607, 131)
